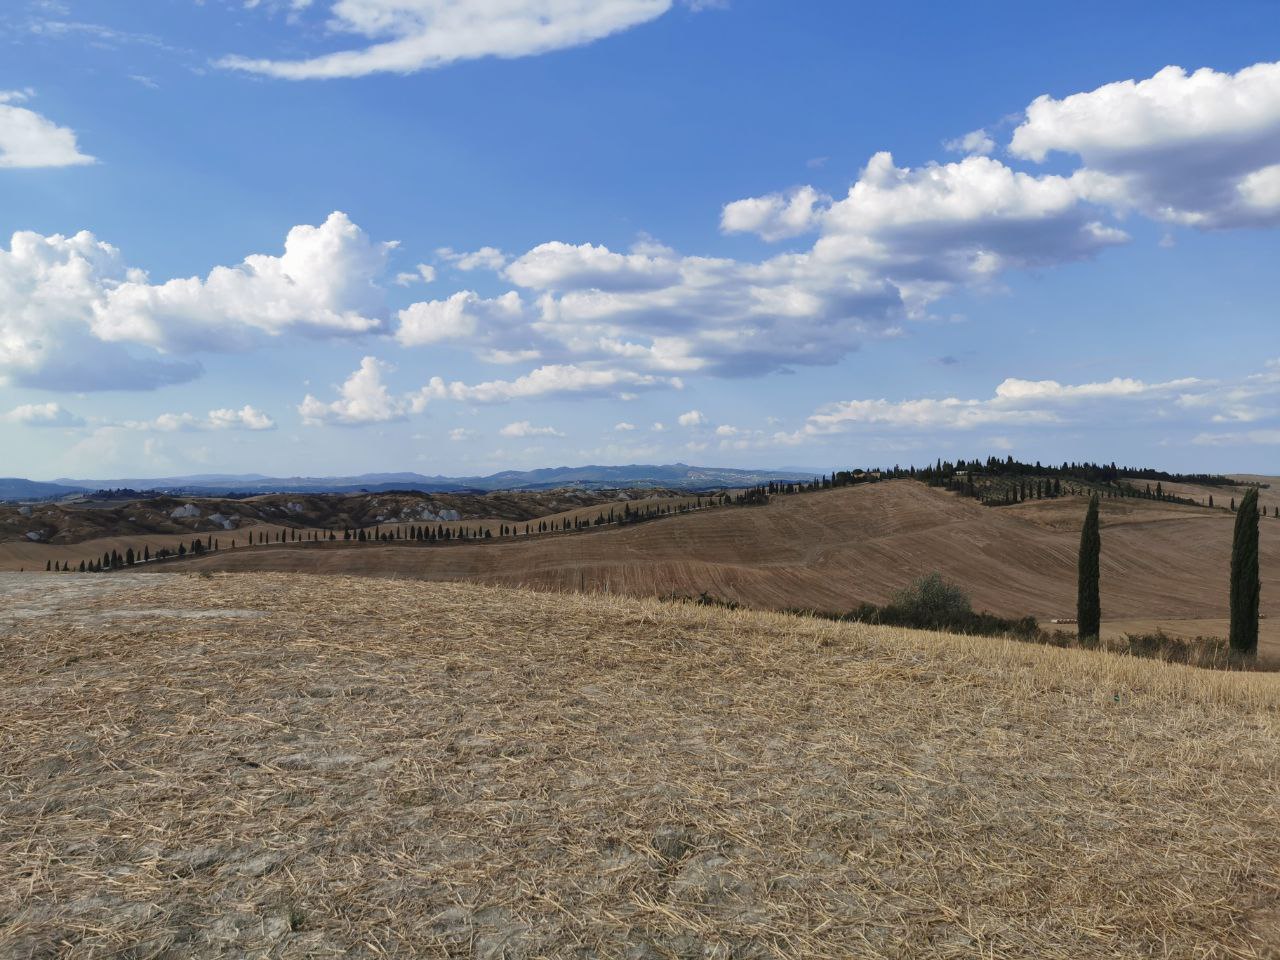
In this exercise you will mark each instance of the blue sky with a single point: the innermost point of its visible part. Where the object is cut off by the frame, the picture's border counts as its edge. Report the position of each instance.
(457, 236)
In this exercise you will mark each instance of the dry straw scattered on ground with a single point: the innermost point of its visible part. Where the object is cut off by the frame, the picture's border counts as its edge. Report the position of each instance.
(289, 766)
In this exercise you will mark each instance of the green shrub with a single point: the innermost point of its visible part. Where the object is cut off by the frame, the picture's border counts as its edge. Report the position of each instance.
(931, 603)
(932, 599)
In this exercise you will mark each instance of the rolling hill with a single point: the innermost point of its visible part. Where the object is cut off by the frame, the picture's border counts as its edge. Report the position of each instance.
(1162, 563)
(679, 476)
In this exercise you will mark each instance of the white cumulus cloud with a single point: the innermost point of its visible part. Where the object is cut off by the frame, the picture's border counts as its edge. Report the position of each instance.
(959, 221)
(776, 216)
(1194, 148)
(326, 282)
(50, 291)
(551, 380)
(974, 142)
(486, 258)
(563, 266)
(523, 428)
(1016, 402)
(464, 316)
(245, 418)
(362, 398)
(423, 273)
(28, 139)
(42, 415)
(75, 316)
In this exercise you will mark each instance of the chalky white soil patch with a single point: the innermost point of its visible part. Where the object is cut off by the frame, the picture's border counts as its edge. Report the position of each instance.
(93, 600)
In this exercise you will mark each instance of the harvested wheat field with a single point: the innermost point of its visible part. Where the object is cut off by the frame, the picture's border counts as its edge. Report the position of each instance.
(1163, 564)
(286, 766)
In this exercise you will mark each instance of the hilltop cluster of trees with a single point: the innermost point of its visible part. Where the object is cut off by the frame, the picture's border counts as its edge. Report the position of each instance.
(1084, 471)
(999, 481)
(123, 493)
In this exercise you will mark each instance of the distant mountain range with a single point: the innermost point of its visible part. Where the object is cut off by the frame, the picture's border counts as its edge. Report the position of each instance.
(15, 488)
(677, 476)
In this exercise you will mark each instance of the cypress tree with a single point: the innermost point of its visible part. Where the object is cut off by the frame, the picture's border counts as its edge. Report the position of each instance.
(1088, 602)
(1246, 588)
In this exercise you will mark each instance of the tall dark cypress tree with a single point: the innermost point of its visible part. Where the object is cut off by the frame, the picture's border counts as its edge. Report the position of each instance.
(1246, 588)
(1088, 600)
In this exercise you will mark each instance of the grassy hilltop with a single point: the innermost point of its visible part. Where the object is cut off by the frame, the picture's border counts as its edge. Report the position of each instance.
(289, 766)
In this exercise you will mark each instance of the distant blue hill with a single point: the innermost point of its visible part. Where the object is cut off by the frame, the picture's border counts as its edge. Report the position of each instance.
(15, 488)
(677, 476)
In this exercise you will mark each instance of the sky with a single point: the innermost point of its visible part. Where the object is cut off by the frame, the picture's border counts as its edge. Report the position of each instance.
(319, 237)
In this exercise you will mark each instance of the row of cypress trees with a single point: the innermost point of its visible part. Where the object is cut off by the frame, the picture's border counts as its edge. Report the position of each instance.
(1246, 582)
(628, 515)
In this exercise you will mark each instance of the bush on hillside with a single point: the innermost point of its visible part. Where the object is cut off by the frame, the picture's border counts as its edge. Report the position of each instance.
(931, 603)
(1197, 651)
(930, 598)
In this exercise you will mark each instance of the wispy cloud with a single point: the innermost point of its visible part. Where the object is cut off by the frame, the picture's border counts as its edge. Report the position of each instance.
(427, 34)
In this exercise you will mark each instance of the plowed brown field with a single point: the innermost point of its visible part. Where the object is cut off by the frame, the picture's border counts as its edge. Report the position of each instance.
(1163, 565)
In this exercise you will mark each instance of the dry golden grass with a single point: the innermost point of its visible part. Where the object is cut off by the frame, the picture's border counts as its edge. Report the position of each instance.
(379, 768)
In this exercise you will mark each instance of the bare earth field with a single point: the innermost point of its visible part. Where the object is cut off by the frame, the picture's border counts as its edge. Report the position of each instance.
(289, 766)
(1162, 565)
